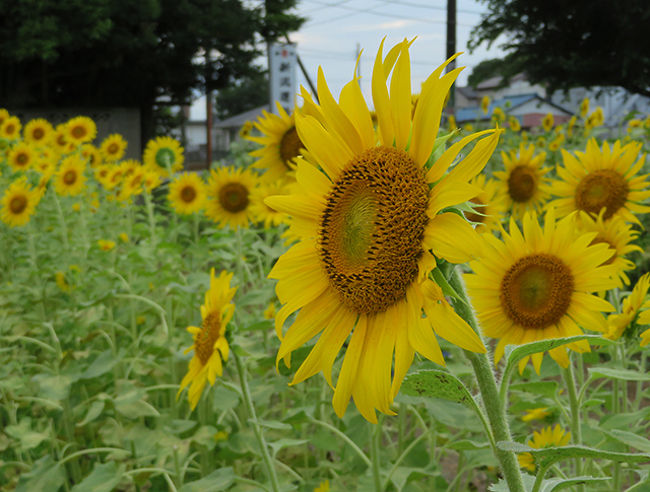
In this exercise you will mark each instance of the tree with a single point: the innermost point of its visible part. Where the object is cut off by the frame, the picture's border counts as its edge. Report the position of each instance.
(568, 44)
(103, 53)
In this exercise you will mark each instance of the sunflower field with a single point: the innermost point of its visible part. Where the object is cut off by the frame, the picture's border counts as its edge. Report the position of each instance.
(475, 299)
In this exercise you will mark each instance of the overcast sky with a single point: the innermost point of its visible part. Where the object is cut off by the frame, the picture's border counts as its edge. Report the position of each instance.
(333, 29)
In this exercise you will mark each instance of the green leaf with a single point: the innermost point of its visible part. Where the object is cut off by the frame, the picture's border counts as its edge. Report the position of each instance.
(54, 388)
(217, 480)
(433, 383)
(551, 484)
(466, 445)
(622, 374)
(544, 388)
(93, 412)
(632, 440)
(285, 443)
(548, 456)
(28, 438)
(273, 424)
(502, 485)
(45, 476)
(104, 478)
(101, 365)
(132, 405)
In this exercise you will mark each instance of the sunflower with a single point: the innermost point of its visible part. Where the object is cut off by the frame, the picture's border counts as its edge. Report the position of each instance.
(80, 130)
(281, 144)
(164, 154)
(18, 203)
(546, 438)
(245, 129)
(105, 244)
(645, 336)
(187, 193)
(489, 205)
(114, 177)
(498, 116)
(113, 147)
(451, 123)
(70, 178)
(152, 179)
(554, 144)
(570, 125)
(60, 140)
(536, 414)
(514, 123)
(538, 285)
(617, 235)
(260, 210)
(606, 178)
(524, 183)
(584, 107)
(485, 104)
(210, 345)
(38, 132)
(22, 156)
(4, 114)
(92, 155)
(229, 196)
(367, 218)
(10, 128)
(132, 184)
(631, 308)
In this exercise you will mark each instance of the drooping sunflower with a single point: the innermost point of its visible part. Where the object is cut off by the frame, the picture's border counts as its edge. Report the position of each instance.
(631, 308)
(92, 155)
(367, 218)
(152, 179)
(260, 210)
(546, 438)
(603, 178)
(210, 345)
(113, 147)
(524, 183)
(514, 124)
(132, 184)
(164, 154)
(539, 413)
(584, 107)
(229, 192)
(60, 140)
(10, 128)
(80, 130)
(187, 193)
(280, 141)
(617, 235)
(18, 203)
(22, 156)
(489, 205)
(38, 132)
(70, 178)
(485, 104)
(538, 285)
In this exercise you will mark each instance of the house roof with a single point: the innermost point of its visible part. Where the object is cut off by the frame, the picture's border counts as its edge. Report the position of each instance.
(507, 103)
(239, 119)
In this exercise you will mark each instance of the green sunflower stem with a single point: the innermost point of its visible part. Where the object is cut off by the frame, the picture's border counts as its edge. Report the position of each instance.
(489, 393)
(248, 401)
(375, 443)
(64, 227)
(576, 430)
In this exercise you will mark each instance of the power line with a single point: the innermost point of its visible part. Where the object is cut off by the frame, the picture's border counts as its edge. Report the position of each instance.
(431, 7)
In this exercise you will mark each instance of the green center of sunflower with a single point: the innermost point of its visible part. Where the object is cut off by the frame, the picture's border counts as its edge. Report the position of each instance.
(188, 194)
(372, 229)
(70, 177)
(78, 131)
(599, 189)
(522, 183)
(18, 204)
(165, 157)
(38, 133)
(290, 146)
(233, 197)
(536, 291)
(205, 339)
(473, 216)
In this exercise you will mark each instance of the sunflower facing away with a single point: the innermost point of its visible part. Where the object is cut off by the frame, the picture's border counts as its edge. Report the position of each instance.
(187, 193)
(210, 345)
(631, 307)
(113, 147)
(489, 205)
(603, 178)
(524, 183)
(38, 131)
(366, 222)
(538, 285)
(281, 144)
(164, 154)
(70, 178)
(260, 210)
(229, 192)
(546, 438)
(18, 203)
(80, 130)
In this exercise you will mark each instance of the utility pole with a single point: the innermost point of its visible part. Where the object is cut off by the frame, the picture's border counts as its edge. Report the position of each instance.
(451, 46)
(208, 107)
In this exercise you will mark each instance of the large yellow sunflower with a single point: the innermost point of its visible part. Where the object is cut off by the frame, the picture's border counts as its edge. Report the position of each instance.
(280, 141)
(524, 183)
(164, 154)
(187, 193)
(38, 132)
(18, 203)
(489, 205)
(367, 220)
(22, 156)
(210, 345)
(605, 178)
(10, 128)
(70, 178)
(539, 285)
(632, 307)
(80, 130)
(113, 147)
(229, 192)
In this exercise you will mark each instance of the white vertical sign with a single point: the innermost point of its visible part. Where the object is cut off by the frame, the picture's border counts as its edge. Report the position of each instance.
(282, 73)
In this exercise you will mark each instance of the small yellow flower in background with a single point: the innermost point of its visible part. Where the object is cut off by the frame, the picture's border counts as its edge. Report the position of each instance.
(105, 244)
(163, 154)
(485, 104)
(245, 129)
(80, 130)
(556, 142)
(617, 323)
(4, 114)
(269, 312)
(646, 122)
(124, 237)
(19, 203)
(468, 127)
(584, 107)
(139, 320)
(547, 122)
(645, 337)
(597, 117)
(545, 438)
(260, 210)
(220, 436)
(92, 155)
(635, 123)
(22, 156)
(113, 147)
(540, 142)
(514, 124)
(70, 178)
(210, 345)
(187, 193)
(38, 132)
(498, 115)
(10, 128)
(75, 268)
(76, 206)
(59, 277)
(451, 122)
(323, 487)
(536, 414)
(229, 190)
(524, 137)
(570, 125)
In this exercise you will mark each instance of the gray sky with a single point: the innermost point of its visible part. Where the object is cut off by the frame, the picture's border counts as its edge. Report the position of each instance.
(334, 28)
